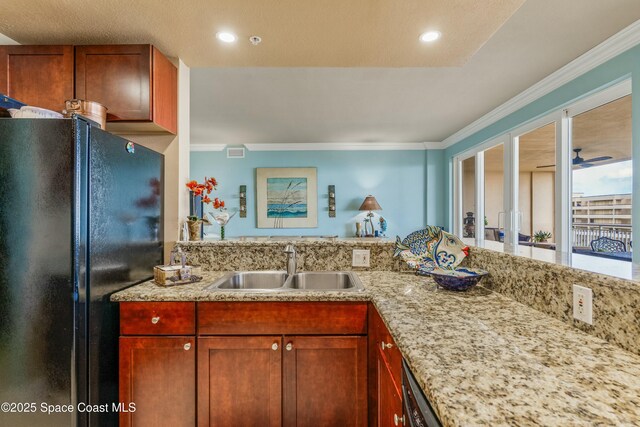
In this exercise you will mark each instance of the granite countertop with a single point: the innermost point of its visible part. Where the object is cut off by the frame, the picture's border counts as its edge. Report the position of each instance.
(480, 357)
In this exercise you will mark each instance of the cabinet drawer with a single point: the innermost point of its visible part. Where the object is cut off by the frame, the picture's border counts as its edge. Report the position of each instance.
(280, 318)
(157, 318)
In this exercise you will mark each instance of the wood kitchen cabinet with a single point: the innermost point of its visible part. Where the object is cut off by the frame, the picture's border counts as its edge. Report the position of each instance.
(136, 83)
(258, 363)
(157, 363)
(240, 381)
(41, 76)
(325, 381)
(385, 374)
(158, 375)
(282, 379)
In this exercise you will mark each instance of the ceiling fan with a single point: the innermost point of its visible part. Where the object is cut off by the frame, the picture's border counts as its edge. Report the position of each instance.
(579, 161)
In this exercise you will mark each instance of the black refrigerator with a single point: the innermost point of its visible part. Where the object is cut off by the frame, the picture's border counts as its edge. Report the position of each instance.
(80, 219)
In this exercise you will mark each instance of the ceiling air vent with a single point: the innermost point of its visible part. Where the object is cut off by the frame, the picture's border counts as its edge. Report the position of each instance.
(235, 153)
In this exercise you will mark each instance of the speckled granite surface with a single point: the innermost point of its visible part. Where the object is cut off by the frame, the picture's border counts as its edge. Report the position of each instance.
(313, 254)
(481, 358)
(549, 288)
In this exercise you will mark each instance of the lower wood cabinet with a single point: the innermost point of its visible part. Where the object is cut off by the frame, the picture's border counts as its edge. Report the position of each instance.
(282, 381)
(306, 371)
(325, 381)
(158, 375)
(388, 397)
(240, 381)
(385, 380)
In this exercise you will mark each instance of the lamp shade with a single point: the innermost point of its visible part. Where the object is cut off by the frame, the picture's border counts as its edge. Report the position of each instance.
(370, 204)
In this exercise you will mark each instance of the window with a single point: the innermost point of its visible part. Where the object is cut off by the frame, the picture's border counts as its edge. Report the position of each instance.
(536, 189)
(561, 182)
(601, 194)
(494, 193)
(469, 211)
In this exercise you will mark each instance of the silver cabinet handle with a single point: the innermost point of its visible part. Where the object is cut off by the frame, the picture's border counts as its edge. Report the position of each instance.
(386, 345)
(289, 346)
(187, 346)
(274, 346)
(155, 319)
(398, 420)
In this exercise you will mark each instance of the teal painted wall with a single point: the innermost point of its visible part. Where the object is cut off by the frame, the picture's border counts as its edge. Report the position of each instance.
(613, 71)
(398, 180)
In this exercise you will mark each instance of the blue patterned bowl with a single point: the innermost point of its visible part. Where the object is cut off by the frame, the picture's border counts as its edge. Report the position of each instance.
(460, 279)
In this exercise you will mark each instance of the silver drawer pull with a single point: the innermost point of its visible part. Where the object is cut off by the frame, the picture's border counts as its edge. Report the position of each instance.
(187, 346)
(386, 345)
(155, 319)
(274, 346)
(289, 346)
(398, 420)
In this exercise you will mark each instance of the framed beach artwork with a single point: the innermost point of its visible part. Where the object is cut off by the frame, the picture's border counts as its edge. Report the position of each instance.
(287, 197)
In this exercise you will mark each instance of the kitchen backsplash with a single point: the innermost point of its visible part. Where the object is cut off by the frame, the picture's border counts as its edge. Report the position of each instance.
(312, 254)
(544, 286)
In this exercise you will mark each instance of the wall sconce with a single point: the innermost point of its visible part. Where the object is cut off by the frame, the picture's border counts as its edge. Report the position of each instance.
(332, 201)
(243, 201)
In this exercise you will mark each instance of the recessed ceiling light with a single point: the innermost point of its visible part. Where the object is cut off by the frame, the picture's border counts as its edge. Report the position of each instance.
(227, 37)
(430, 36)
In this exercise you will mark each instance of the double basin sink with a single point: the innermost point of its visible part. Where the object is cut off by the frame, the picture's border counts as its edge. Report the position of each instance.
(281, 281)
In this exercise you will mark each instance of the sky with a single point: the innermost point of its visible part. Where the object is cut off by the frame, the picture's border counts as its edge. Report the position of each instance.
(614, 178)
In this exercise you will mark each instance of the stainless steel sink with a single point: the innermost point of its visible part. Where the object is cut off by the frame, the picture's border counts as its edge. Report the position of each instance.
(324, 281)
(280, 281)
(251, 280)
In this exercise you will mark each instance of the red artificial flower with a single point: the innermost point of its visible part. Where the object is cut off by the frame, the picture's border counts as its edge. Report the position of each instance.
(197, 191)
(191, 185)
(217, 203)
(206, 199)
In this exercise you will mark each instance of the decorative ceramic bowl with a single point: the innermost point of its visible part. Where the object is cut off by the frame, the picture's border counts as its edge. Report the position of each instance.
(460, 279)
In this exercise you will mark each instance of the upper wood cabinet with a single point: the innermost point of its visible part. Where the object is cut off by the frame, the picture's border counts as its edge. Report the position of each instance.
(41, 76)
(136, 83)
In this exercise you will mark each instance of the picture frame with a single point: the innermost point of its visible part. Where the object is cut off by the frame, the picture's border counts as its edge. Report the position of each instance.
(287, 197)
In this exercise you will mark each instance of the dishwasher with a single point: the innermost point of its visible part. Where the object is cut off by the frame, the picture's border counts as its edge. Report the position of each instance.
(417, 409)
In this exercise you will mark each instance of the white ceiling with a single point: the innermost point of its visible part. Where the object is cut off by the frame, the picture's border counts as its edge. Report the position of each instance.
(302, 105)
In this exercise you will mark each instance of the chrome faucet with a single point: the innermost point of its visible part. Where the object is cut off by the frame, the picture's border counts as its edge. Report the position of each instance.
(290, 250)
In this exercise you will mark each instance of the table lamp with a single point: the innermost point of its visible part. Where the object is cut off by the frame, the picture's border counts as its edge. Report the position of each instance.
(370, 204)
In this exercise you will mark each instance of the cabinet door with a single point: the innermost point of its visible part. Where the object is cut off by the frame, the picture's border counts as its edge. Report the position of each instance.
(158, 374)
(240, 381)
(118, 77)
(389, 408)
(41, 76)
(325, 381)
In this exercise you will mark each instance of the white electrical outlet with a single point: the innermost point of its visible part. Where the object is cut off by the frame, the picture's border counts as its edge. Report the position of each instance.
(360, 258)
(583, 304)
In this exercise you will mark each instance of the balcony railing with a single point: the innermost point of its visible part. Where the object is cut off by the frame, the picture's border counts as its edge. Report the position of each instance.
(583, 234)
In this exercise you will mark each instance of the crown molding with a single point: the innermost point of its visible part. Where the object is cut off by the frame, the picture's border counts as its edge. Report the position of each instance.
(432, 145)
(338, 146)
(608, 49)
(207, 147)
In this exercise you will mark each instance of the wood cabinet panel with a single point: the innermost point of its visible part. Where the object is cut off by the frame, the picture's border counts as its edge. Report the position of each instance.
(157, 318)
(240, 381)
(158, 375)
(41, 76)
(118, 77)
(389, 408)
(385, 372)
(165, 92)
(386, 343)
(325, 381)
(263, 318)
